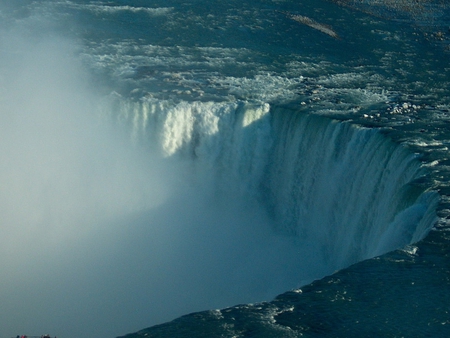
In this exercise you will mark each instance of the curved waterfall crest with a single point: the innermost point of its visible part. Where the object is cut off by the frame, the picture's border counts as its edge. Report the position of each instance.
(349, 189)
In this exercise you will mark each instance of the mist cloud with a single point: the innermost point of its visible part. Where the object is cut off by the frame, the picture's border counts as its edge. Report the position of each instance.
(66, 177)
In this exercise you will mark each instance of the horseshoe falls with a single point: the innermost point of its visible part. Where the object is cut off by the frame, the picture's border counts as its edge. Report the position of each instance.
(224, 169)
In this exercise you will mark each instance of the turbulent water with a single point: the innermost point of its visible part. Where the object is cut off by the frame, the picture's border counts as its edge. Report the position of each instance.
(160, 158)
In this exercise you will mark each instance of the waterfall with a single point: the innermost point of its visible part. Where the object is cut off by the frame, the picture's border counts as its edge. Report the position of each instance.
(347, 189)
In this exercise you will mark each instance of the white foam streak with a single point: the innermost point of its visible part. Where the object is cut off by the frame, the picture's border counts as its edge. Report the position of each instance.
(102, 8)
(114, 9)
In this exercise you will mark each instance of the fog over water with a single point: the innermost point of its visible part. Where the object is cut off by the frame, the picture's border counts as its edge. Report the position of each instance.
(66, 177)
